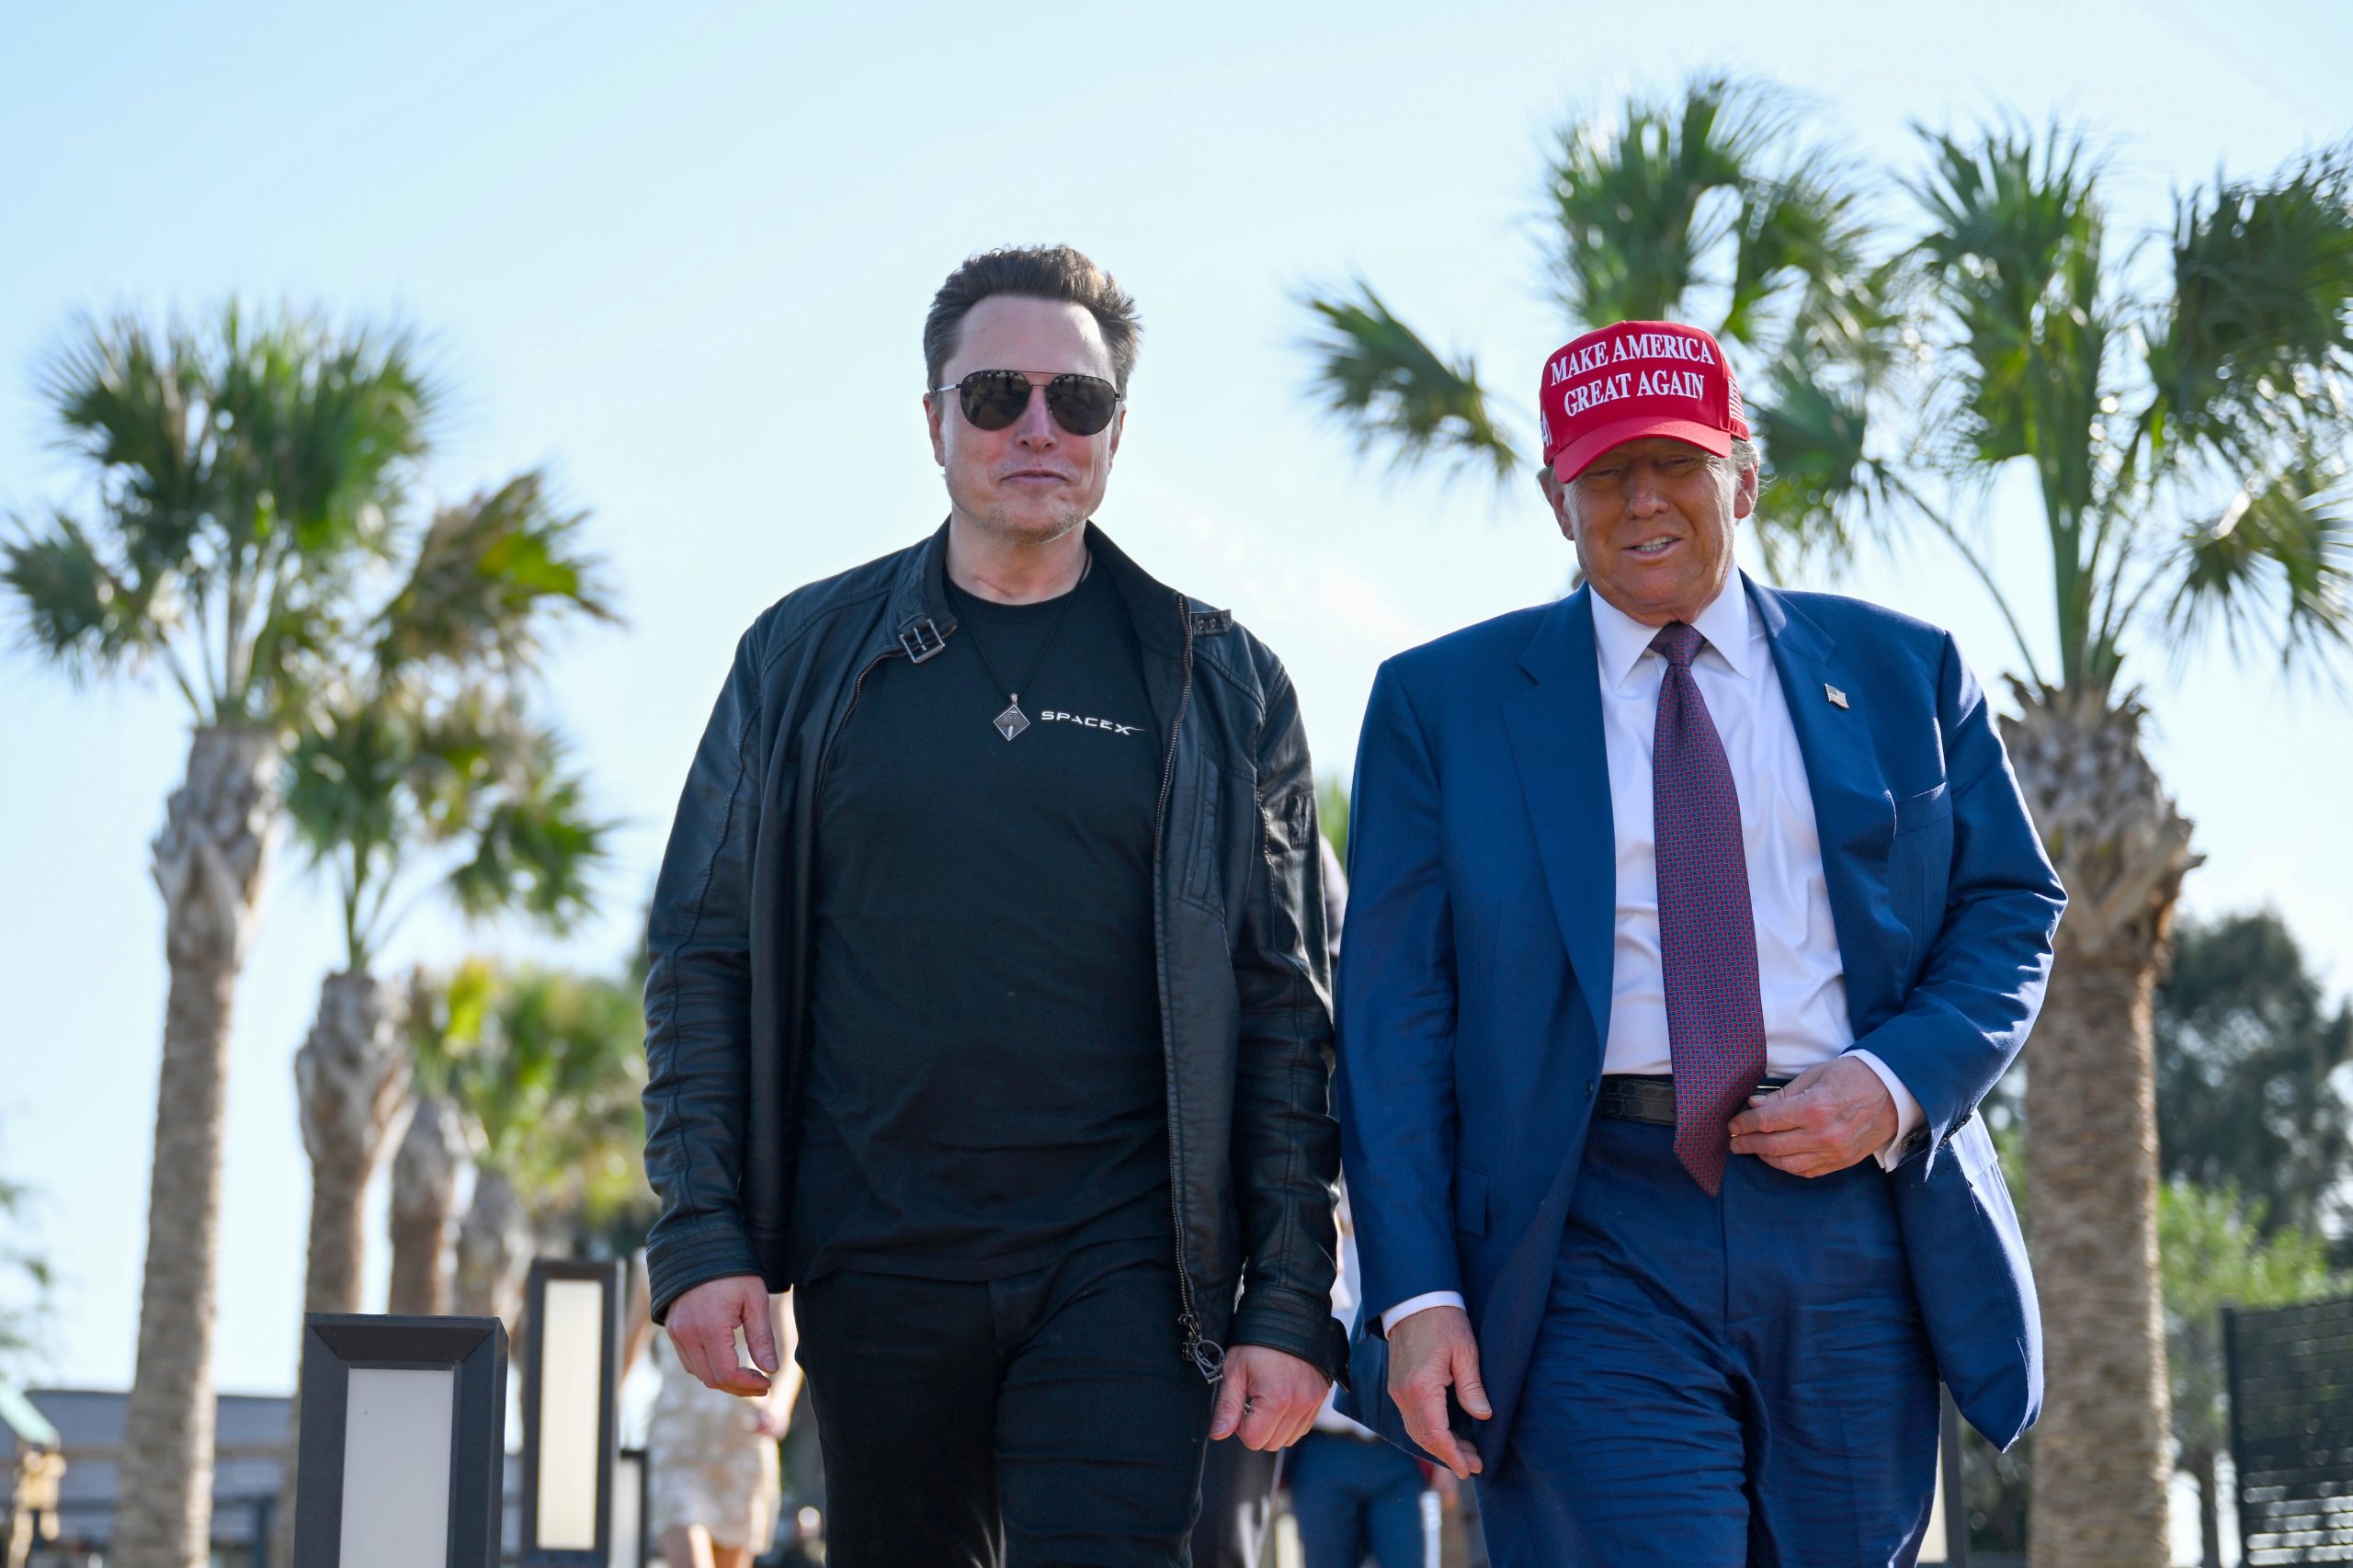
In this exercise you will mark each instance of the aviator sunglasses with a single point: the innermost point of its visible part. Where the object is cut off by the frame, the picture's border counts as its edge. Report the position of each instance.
(993, 400)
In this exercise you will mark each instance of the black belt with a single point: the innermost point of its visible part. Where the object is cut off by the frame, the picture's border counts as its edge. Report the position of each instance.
(1644, 1097)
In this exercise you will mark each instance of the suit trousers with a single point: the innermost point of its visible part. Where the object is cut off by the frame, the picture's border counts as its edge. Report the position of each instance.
(1353, 1495)
(1051, 1417)
(1721, 1381)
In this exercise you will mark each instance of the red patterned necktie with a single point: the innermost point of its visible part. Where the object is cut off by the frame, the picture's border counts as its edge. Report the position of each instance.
(1706, 930)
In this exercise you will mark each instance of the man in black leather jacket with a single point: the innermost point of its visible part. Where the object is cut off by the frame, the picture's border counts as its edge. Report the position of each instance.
(988, 1005)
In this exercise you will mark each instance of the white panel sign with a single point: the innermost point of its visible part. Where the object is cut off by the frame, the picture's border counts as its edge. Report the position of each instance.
(572, 1332)
(396, 1428)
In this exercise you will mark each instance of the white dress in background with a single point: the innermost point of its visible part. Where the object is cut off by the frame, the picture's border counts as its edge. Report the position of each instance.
(707, 1464)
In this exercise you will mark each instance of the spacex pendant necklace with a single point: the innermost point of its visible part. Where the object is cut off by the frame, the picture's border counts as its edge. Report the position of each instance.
(1012, 721)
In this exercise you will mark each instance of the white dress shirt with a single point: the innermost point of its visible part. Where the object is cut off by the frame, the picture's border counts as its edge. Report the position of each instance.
(1799, 971)
(1346, 1286)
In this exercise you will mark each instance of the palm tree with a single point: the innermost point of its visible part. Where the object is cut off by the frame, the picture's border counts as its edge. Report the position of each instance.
(240, 477)
(544, 1070)
(424, 759)
(2188, 448)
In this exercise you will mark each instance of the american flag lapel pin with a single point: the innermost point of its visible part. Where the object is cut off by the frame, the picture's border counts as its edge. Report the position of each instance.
(1838, 698)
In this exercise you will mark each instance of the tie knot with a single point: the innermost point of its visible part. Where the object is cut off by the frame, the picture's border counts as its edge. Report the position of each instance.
(1678, 643)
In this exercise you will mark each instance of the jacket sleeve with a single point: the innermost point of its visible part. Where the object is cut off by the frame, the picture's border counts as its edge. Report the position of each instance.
(1394, 1089)
(698, 1006)
(1982, 982)
(1286, 1148)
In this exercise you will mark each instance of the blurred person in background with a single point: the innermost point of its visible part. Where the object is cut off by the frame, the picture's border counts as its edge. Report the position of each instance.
(712, 1478)
(1353, 1495)
(988, 1005)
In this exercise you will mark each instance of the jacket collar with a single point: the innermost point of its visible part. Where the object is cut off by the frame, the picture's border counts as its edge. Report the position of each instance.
(920, 616)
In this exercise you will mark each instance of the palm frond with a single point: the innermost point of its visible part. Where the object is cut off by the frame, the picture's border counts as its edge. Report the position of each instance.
(536, 848)
(2257, 339)
(1639, 203)
(326, 427)
(1378, 377)
(2276, 567)
(78, 609)
(1802, 233)
(136, 401)
(1822, 488)
(488, 579)
(555, 1086)
(245, 471)
(347, 774)
(2013, 245)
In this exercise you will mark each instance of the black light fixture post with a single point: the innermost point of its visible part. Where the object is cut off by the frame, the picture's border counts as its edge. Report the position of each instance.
(571, 1347)
(403, 1441)
(630, 1480)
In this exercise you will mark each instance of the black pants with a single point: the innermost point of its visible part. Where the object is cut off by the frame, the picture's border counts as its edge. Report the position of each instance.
(1051, 1417)
(1237, 1504)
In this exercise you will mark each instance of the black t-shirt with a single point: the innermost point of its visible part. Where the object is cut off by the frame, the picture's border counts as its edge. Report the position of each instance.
(985, 1084)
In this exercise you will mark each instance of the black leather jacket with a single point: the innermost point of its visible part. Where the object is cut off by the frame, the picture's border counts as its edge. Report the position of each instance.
(1245, 988)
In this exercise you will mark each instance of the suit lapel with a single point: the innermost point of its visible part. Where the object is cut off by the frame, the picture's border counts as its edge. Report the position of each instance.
(1556, 742)
(1854, 814)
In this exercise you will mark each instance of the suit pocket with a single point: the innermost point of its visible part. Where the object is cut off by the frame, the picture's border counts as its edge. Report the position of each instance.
(1469, 1201)
(1925, 809)
(1920, 866)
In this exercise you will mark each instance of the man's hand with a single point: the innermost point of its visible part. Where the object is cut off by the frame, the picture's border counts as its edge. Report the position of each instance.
(1268, 1397)
(1828, 1117)
(1430, 1352)
(702, 1325)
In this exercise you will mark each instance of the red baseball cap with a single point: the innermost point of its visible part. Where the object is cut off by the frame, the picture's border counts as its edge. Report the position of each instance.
(1633, 380)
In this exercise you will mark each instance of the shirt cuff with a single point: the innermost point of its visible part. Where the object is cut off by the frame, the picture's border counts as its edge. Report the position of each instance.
(1907, 1109)
(1412, 1304)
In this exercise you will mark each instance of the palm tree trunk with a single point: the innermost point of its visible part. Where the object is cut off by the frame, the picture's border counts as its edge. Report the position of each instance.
(348, 1081)
(208, 862)
(2103, 1461)
(424, 1195)
(494, 1251)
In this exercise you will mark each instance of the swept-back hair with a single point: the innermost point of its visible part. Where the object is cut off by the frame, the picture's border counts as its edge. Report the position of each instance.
(1033, 272)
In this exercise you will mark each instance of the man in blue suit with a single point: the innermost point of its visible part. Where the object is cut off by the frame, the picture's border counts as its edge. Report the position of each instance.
(1691, 922)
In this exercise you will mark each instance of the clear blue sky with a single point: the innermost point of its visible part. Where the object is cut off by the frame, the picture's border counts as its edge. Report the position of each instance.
(680, 254)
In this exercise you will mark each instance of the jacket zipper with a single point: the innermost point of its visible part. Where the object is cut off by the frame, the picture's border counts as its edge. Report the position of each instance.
(1208, 1356)
(857, 689)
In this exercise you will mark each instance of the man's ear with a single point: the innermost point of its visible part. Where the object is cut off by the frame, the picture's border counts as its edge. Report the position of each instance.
(931, 419)
(1556, 495)
(1119, 424)
(1745, 486)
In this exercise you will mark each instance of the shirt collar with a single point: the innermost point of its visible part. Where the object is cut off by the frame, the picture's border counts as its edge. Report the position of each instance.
(1728, 623)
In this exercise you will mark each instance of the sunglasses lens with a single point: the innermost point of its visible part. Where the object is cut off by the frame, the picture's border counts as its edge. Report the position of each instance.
(1082, 404)
(993, 400)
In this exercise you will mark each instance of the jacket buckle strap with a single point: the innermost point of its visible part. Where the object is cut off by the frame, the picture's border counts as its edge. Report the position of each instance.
(922, 640)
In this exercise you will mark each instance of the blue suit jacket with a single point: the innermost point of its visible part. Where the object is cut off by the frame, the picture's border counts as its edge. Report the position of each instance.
(1474, 982)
